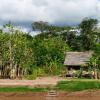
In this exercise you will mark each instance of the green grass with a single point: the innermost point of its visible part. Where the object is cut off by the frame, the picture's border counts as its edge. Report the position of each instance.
(22, 89)
(76, 85)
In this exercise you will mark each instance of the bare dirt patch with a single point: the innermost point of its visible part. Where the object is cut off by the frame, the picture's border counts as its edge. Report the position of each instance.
(83, 95)
(42, 81)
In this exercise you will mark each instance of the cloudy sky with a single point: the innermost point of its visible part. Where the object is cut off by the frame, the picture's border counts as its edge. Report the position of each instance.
(62, 12)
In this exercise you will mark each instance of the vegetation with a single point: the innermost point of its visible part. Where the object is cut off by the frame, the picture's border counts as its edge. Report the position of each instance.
(70, 86)
(22, 89)
(24, 56)
(88, 35)
(77, 85)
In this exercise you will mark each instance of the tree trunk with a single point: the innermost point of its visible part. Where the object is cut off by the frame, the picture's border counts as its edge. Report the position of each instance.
(10, 50)
(95, 73)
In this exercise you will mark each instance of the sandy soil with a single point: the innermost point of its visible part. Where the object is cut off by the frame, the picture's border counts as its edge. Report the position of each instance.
(42, 81)
(84, 95)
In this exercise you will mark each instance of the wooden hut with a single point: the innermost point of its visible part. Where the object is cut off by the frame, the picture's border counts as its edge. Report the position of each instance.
(75, 60)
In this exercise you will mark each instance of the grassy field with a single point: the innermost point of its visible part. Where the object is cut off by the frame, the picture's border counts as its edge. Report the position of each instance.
(78, 85)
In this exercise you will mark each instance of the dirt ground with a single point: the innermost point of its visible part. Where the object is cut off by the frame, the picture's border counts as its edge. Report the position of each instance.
(42, 81)
(84, 95)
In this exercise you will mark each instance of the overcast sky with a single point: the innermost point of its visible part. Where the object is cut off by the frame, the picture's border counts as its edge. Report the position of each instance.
(62, 12)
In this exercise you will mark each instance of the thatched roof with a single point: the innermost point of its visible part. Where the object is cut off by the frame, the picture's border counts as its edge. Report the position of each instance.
(77, 58)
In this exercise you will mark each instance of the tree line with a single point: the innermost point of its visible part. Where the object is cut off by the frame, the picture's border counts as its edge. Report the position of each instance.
(26, 56)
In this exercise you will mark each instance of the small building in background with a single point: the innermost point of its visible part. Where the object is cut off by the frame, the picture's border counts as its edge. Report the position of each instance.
(74, 61)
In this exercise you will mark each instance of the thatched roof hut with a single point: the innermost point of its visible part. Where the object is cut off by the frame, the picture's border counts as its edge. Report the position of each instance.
(77, 58)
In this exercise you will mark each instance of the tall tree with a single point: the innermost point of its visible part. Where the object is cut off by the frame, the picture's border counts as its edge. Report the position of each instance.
(88, 34)
(40, 26)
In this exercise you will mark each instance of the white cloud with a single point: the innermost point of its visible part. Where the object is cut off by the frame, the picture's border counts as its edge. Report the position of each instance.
(53, 11)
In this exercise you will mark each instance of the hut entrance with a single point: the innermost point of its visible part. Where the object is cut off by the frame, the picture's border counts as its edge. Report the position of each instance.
(71, 71)
(73, 67)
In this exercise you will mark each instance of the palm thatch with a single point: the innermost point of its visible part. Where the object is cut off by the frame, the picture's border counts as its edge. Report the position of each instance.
(77, 58)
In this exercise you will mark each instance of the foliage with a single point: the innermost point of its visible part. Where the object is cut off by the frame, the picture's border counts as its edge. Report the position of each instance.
(77, 85)
(49, 53)
(40, 26)
(42, 54)
(36, 72)
(31, 56)
(88, 34)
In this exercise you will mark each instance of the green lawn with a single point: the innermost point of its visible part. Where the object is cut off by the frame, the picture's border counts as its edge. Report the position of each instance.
(78, 85)
(22, 89)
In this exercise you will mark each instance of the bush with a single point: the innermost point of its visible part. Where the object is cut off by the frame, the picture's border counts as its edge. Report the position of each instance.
(38, 72)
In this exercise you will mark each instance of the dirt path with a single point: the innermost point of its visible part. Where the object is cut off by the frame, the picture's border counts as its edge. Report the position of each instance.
(84, 95)
(38, 82)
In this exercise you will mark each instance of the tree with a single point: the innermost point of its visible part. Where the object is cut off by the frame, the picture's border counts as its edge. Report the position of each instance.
(9, 27)
(15, 51)
(47, 29)
(94, 63)
(40, 26)
(49, 53)
(88, 36)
